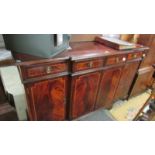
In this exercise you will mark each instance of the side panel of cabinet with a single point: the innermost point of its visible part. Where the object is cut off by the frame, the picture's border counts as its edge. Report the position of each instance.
(143, 81)
(109, 82)
(84, 91)
(47, 99)
(127, 77)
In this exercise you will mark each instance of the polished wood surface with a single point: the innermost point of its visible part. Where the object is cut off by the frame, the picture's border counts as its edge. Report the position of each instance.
(148, 40)
(43, 69)
(132, 56)
(88, 64)
(48, 99)
(75, 82)
(144, 75)
(128, 73)
(116, 59)
(83, 37)
(108, 87)
(79, 51)
(83, 94)
(142, 81)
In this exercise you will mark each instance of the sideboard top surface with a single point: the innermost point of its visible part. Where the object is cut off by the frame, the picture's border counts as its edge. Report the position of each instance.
(78, 51)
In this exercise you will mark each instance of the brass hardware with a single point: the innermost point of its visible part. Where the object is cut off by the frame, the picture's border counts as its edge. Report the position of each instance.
(135, 56)
(117, 59)
(90, 64)
(48, 69)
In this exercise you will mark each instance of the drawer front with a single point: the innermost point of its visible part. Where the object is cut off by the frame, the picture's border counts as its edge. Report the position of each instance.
(46, 69)
(137, 55)
(90, 64)
(115, 59)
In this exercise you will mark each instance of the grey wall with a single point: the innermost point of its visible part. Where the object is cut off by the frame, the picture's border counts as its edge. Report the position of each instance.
(1, 41)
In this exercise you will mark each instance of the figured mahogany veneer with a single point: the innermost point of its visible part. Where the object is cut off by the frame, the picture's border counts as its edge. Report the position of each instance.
(145, 73)
(44, 69)
(47, 99)
(89, 64)
(132, 56)
(108, 87)
(128, 73)
(77, 81)
(83, 95)
(142, 80)
(116, 59)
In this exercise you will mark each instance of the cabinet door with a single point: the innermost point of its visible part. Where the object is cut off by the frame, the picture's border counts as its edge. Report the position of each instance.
(108, 85)
(47, 99)
(126, 80)
(84, 91)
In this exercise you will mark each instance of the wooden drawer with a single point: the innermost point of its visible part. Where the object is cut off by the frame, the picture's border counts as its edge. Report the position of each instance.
(89, 64)
(115, 59)
(137, 55)
(44, 69)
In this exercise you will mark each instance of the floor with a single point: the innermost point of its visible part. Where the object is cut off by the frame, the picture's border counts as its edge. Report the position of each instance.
(121, 111)
(128, 109)
(99, 115)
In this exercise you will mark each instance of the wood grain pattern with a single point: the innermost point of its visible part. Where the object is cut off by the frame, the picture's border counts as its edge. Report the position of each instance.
(84, 91)
(48, 99)
(108, 85)
(84, 65)
(74, 78)
(132, 56)
(145, 72)
(142, 82)
(115, 59)
(150, 41)
(127, 77)
(83, 37)
(43, 69)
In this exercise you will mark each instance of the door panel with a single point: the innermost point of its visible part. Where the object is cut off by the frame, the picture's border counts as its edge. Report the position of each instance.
(84, 91)
(47, 98)
(127, 77)
(108, 86)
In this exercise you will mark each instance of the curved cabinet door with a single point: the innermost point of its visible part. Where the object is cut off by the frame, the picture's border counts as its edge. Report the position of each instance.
(47, 99)
(108, 85)
(84, 92)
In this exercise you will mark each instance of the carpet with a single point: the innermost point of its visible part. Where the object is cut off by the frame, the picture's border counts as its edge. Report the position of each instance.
(99, 115)
(127, 110)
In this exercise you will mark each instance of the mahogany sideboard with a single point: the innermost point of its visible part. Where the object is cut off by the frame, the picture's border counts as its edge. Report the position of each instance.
(78, 81)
